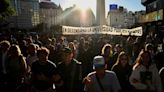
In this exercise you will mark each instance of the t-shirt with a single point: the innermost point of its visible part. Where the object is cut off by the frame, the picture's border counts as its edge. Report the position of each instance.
(146, 78)
(109, 82)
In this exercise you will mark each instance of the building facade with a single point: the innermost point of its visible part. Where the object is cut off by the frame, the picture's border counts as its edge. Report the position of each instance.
(153, 19)
(50, 14)
(139, 16)
(120, 18)
(27, 14)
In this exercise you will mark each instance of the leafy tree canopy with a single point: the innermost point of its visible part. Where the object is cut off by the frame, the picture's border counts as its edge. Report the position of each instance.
(5, 9)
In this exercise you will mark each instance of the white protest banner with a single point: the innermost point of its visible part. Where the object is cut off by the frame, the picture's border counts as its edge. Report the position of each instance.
(68, 30)
(136, 31)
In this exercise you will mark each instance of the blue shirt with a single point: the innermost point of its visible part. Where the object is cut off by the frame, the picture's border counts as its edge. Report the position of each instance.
(109, 82)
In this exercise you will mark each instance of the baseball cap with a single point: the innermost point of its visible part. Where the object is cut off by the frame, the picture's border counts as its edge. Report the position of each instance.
(98, 62)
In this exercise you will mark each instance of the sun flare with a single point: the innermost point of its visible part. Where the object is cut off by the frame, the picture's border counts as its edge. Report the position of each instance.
(84, 4)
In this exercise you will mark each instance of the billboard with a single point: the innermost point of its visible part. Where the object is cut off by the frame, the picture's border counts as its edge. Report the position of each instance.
(113, 7)
(154, 16)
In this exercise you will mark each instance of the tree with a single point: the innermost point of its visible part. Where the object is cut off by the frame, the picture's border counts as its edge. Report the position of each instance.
(5, 9)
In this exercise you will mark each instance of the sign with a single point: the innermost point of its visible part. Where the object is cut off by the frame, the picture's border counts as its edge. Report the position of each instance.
(113, 7)
(154, 16)
(151, 16)
(68, 30)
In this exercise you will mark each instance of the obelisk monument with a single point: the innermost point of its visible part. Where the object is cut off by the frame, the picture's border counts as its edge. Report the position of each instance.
(100, 12)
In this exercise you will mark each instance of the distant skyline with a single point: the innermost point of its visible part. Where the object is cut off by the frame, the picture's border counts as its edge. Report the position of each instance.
(131, 5)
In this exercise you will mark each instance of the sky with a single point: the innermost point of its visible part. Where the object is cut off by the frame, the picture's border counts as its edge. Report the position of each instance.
(131, 5)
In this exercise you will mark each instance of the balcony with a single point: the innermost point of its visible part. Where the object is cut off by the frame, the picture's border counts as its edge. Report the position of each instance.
(145, 2)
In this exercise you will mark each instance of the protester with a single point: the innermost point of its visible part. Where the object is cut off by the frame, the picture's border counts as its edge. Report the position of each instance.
(107, 53)
(44, 73)
(117, 49)
(150, 48)
(71, 72)
(101, 80)
(123, 71)
(86, 59)
(90, 46)
(74, 49)
(16, 68)
(159, 58)
(145, 76)
(31, 54)
(4, 47)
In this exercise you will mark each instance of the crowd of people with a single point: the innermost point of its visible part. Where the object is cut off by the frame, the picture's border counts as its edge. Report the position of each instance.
(92, 63)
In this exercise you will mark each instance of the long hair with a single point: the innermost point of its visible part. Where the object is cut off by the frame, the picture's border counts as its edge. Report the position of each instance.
(14, 49)
(4, 45)
(139, 60)
(105, 47)
(72, 46)
(119, 58)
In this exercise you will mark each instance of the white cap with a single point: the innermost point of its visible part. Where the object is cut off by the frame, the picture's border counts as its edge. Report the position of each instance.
(98, 62)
